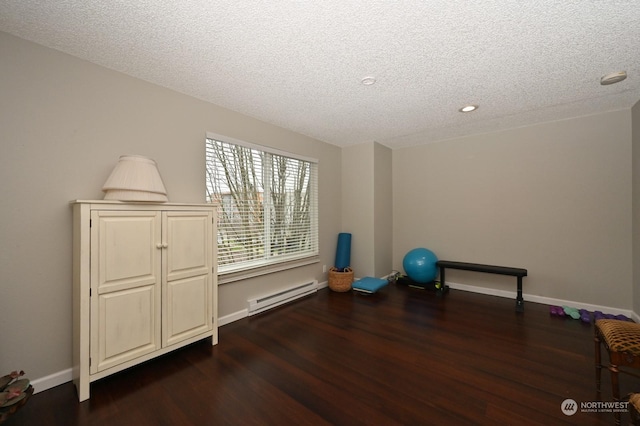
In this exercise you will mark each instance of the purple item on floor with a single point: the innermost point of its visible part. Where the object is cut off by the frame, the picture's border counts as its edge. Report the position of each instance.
(556, 310)
(585, 316)
(599, 315)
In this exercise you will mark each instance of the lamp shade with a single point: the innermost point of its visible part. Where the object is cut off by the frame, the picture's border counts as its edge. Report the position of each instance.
(135, 178)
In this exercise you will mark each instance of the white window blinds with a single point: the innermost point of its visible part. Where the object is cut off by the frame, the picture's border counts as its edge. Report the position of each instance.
(268, 204)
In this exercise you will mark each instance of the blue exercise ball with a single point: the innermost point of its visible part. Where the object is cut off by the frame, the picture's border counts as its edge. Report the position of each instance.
(420, 265)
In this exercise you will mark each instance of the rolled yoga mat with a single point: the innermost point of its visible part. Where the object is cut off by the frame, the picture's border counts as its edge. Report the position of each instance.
(343, 251)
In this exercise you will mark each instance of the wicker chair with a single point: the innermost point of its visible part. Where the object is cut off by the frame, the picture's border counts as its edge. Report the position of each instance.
(634, 408)
(622, 340)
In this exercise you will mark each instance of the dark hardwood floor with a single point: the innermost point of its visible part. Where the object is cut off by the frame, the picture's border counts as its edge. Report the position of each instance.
(400, 357)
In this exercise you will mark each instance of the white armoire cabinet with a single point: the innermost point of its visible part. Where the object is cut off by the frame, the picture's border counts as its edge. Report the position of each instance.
(144, 283)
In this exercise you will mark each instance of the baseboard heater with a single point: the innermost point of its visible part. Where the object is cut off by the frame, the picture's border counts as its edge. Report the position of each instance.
(281, 297)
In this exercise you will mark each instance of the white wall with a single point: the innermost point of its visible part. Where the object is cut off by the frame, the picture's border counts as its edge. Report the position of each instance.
(63, 124)
(554, 198)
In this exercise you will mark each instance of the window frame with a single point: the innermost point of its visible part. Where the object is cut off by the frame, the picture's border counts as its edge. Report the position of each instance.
(262, 267)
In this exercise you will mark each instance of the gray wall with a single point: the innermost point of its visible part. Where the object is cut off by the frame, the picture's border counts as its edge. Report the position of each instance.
(383, 216)
(635, 116)
(357, 206)
(366, 207)
(554, 198)
(63, 124)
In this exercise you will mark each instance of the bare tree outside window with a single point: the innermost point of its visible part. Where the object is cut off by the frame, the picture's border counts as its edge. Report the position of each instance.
(267, 205)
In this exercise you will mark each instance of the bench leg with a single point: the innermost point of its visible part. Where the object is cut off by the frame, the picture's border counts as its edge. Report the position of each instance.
(519, 299)
(443, 288)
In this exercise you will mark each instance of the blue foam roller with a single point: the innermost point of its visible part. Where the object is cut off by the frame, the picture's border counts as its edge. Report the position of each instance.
(343, 251)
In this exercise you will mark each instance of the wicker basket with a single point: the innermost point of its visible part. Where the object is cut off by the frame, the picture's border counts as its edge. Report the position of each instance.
(340, 281)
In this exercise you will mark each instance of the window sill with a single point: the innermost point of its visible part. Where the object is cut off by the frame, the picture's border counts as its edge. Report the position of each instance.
(229, 277)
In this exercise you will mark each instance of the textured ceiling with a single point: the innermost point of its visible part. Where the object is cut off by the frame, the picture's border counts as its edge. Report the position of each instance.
(298, 64)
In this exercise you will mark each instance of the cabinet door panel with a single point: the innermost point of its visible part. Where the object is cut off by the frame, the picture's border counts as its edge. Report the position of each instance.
(126, 243)
(187, 309)
(128, 326)
(188, 244)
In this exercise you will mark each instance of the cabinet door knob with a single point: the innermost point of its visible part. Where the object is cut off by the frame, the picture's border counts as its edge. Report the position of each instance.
(165, 245)
(159, 245)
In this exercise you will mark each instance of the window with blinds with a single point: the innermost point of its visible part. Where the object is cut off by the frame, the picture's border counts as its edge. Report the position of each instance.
(268, 210)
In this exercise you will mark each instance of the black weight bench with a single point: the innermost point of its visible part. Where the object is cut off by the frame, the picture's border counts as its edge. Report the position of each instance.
(489, 269)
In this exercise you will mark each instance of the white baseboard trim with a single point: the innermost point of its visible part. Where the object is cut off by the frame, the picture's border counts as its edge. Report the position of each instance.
(52, 380)
(236, 316)
(56, 379)
(544, 300)
(62, 377)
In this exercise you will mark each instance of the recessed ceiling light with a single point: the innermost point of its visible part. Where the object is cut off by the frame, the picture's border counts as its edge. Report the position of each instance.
(614, 77)
(468, 108)
(368, 81)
